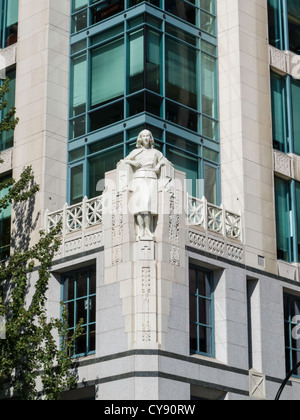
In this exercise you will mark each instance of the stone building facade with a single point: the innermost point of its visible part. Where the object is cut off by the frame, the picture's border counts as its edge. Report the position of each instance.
(206, 309)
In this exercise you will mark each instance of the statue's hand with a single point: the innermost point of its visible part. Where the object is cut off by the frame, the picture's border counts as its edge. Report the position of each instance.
(138, 165)
(133, 163)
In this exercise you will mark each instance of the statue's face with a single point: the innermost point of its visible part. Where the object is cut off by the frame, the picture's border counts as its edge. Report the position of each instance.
(145, 139)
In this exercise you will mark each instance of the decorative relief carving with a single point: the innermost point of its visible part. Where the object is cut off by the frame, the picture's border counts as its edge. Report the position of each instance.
(278, 59)
(197, 240)
(215, 246)
(283, 164)
(235, 253)
(117, 229)
(93, 241)
(174, 221)
(146, 291)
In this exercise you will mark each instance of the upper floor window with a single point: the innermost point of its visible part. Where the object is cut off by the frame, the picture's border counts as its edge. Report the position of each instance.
(284, 24)
(5, 224)
(201, 312)
(285, 96)
(200, 13)
(291, 326)
(9, 22)
(79, 297)
(287, 201)
(142, 71)
(7, 137)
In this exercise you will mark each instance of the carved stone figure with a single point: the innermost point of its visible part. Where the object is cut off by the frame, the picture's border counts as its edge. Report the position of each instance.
(146, 163)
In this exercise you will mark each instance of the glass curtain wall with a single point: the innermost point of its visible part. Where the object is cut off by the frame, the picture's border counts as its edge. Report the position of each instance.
(154, 67)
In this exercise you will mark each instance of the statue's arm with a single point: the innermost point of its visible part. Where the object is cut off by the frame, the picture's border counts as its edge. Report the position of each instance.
(130, 159)
(161, 161)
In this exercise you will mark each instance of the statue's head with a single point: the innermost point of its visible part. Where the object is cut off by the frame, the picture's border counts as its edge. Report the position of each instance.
(145, 139)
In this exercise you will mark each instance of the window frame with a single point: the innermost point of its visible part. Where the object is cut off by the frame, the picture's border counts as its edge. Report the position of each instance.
(289, 325)
(76, 299)
(281, 16)
(5, 249)
(211, 315)
(288, 127)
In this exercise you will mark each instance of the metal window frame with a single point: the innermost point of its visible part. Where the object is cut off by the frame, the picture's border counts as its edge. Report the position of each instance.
(212, 312)
(290, 325)
(76, 299)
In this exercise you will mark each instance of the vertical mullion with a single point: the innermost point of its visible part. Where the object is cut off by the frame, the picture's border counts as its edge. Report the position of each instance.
(284, 13)
(289, 114)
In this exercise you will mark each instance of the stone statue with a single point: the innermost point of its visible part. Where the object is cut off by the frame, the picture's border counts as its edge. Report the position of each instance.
(146, 163)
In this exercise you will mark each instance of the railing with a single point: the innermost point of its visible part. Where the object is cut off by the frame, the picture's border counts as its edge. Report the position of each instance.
(78, 221)
(78, 217)
(213, 218)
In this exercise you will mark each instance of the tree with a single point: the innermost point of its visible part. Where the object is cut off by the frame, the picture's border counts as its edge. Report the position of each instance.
(30, 351)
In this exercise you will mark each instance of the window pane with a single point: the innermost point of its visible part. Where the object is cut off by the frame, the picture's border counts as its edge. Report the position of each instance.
(295, 86)
(203, 284)
(5, 238)
(81, 284)
(209, 128)
(92, 338)
(4, 213)
(81, 311)
(294, 25)
(275, 24)
(107, 115)
(106, 9)
(181, 73)
(92, 309)
(78, 4)
(145, 102)
(92, 281)
(204, 313)
(99, 165)
(209, 86)
(205, 340)
(182, 10)
(182, 116)
(193, 337)
(136, 46)
(11, 25)
(208, 5)
(69, 288)
(79, 21)
(278, 112)
(81, 344)
(107, 72)
(298, 216)
(189, 165)
(78, 81)
(153, 61)
(282, 219)
(7, 137)
(207, 23)
(210, 184)
(76, 184)
(201, 312)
